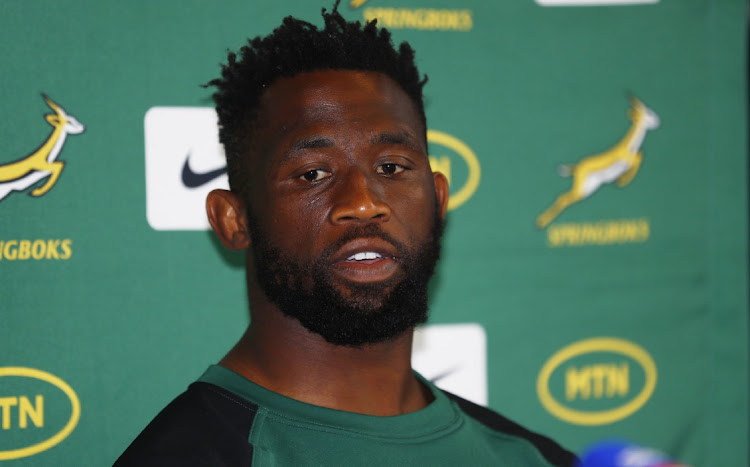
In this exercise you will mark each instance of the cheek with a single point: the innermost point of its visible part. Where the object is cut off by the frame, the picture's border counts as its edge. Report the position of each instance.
(296, 223)
(415, 210)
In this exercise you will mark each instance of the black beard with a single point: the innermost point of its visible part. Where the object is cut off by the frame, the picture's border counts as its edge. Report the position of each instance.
(368, 313)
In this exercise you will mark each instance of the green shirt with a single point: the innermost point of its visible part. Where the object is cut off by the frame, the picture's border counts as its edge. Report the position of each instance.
(224, 419)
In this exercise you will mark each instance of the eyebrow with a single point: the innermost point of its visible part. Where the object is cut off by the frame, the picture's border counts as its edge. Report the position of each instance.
(312, 143)
(402, 138)
(399, 138)
(300, 145)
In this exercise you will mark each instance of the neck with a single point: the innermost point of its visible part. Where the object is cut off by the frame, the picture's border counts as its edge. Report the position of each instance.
(279, 354)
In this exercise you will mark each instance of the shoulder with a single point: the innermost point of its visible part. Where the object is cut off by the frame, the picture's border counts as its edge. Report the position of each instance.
(549, 449)
(205, 425)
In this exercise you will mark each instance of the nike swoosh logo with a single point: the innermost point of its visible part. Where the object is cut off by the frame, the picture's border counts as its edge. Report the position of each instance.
(442, 375)
(193, 179)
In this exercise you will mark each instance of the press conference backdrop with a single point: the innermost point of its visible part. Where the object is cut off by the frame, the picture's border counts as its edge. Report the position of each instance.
(594, 280)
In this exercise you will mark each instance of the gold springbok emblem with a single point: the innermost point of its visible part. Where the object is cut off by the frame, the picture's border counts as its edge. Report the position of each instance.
(25, 172)
(619, 164)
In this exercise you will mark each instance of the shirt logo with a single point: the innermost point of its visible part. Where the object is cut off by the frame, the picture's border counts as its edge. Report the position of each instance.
(42, 163)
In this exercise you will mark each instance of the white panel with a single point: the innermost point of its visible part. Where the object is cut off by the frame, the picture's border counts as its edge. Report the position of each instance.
(176, 136)
(454, 357)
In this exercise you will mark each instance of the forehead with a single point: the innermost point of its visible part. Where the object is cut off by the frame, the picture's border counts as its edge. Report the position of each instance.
(350, 104)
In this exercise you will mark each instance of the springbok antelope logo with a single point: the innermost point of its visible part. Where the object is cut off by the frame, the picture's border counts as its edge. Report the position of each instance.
(619, 164)
(25, 172)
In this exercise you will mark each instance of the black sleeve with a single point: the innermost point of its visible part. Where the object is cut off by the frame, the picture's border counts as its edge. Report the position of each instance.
(549, 449)
(204, 426)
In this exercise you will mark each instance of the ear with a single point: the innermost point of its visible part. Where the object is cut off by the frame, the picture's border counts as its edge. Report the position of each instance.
(441, 191)
(226, 213)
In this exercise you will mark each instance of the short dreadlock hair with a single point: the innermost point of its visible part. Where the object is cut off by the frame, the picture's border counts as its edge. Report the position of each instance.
(294, 48)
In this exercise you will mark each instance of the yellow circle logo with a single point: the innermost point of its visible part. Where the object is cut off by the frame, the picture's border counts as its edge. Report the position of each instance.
(597, 376)
(27, 411)
(442, 163)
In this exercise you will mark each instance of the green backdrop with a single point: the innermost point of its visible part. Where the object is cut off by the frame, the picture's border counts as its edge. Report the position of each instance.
(624, 316)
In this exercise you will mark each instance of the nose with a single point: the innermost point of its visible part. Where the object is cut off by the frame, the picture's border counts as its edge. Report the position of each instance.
(357, 201)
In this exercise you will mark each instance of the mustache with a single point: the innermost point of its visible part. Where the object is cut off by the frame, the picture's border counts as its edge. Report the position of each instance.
(364, 231)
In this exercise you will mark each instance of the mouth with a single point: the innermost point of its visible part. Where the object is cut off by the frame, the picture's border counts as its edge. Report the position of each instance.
(366, 261)
(366, 256)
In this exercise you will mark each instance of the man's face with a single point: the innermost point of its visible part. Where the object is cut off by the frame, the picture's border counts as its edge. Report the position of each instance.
(343, 215)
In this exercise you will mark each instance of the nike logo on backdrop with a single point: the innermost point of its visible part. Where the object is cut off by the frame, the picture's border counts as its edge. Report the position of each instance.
(193, 179)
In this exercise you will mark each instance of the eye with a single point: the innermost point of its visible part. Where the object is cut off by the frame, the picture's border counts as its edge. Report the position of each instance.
(389, 169)
(315, 175)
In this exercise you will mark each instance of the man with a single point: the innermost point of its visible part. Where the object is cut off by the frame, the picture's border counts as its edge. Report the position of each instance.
(334, 200)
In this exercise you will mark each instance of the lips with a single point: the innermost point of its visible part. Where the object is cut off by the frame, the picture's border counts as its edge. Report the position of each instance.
(366, 260)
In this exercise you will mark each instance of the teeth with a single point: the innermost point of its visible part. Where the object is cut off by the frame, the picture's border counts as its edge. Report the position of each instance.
(364, 255)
